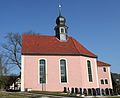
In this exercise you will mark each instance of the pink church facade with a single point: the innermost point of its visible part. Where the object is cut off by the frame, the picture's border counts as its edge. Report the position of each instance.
(60, 63)
(104, 74)
(76, 77)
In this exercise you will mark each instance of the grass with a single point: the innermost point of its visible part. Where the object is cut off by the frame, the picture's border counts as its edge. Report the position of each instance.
(14, 95)
(54, 93)
(38, 94)
(67, 95)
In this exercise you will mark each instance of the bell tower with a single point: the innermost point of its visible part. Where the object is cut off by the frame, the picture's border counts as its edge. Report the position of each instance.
(61, 28)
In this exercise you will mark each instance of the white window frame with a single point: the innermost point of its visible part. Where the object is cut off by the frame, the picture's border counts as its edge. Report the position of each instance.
(60, 71)
(61, 30)
(91, 71)
(39, 70)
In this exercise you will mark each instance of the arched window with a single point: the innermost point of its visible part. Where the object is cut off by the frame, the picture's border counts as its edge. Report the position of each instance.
(102, 81)
(89, 71)
(63, 70)
(62, 30)
(42, 64)
(106, 81)
(104, 69)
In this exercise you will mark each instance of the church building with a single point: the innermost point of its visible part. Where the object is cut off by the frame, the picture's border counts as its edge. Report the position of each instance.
(60, 63)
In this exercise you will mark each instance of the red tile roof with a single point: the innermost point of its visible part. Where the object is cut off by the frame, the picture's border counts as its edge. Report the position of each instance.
(100, 63)
(50, 45)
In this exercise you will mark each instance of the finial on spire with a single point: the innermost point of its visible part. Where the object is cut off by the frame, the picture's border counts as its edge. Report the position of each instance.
(59, 8)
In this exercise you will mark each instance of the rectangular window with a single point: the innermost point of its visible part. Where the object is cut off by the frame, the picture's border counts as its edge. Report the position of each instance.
(63, 71)
(89, 71)
(42, 71)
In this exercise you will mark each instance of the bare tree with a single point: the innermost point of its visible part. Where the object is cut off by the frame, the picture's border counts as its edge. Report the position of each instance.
(3, 69)
(3, 73)
(12, 49)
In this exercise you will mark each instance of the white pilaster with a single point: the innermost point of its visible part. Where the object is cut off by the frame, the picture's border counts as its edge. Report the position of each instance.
(97, 78)
(110, 80)
(22, 73)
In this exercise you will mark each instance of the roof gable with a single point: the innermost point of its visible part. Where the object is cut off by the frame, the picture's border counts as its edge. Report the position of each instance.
(50, 45)
(101, 63)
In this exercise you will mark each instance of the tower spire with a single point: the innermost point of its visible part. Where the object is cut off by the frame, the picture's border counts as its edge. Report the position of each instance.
(60, 7)
(61, 28)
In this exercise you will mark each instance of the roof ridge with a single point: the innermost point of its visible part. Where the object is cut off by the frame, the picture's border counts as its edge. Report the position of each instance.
(75, 44)
(27, 34)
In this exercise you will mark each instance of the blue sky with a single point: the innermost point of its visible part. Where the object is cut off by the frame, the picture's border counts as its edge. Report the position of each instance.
(94, 23)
